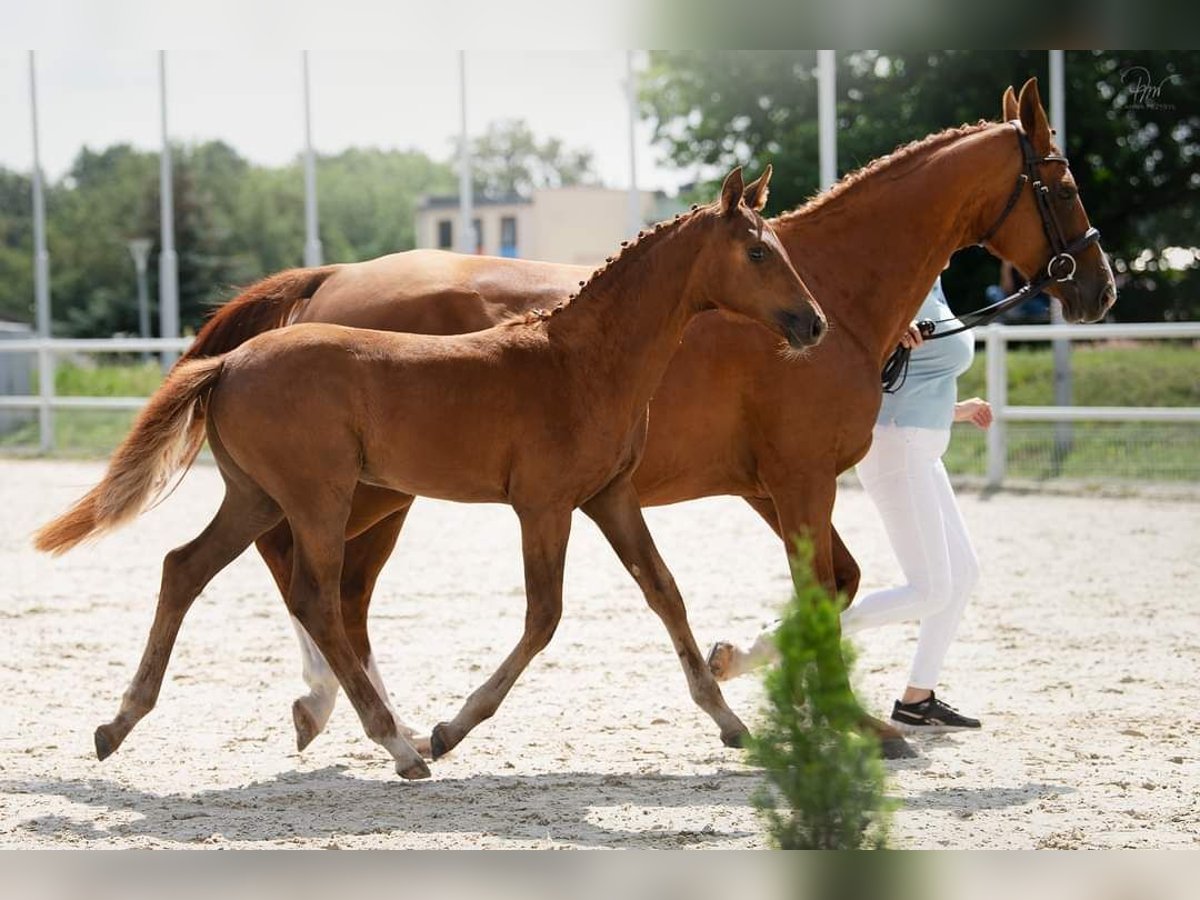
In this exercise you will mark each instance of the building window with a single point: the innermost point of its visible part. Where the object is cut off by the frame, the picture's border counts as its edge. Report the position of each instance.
(508, 236)
(445, 234)
(477, 228)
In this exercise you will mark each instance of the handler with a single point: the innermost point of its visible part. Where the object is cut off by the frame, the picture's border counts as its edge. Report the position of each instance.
(904, 476)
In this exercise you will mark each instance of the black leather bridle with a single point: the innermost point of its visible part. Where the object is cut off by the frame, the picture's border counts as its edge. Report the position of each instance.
(1059, 268)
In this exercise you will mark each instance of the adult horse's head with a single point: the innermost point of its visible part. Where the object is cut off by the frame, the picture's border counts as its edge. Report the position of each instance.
(1043, 228)
(745, 268)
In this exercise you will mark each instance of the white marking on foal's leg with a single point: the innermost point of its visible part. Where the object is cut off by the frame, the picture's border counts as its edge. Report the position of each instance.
(322, 683)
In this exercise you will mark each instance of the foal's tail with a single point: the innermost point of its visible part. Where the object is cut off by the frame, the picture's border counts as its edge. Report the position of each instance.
(263, 306)
(166, 437)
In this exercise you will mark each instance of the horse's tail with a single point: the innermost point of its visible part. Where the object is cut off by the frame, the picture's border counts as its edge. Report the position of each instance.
(263, 306)
(166, 437)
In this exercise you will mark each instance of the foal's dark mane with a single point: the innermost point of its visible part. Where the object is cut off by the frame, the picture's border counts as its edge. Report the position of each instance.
(630, 252)
(904, 153)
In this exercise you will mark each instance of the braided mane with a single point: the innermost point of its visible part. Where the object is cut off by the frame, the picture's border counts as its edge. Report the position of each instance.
(629, 252)
(903, 153)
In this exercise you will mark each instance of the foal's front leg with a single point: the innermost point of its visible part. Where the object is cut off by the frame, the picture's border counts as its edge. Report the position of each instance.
(618, 513)
(544, 536)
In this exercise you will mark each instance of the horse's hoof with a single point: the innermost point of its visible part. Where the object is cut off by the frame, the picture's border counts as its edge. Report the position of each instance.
(720, 660)
(735, 738)
(897, 748)
(306, 726)
(439, 741)
(105, 744)
(415, 772)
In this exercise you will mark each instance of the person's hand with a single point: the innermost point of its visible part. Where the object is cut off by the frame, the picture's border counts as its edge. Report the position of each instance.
(976, 411)
(912, 338)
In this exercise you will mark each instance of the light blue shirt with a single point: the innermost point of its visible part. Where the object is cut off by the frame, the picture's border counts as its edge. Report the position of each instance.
(927, 397)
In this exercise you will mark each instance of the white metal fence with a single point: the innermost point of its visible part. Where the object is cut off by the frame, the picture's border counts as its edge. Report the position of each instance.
(996, 339)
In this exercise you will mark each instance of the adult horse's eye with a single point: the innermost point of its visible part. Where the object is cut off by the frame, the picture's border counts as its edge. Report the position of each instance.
(757, 253)
(1066, 192)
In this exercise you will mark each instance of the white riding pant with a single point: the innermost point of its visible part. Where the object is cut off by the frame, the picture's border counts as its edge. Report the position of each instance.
(905, 479)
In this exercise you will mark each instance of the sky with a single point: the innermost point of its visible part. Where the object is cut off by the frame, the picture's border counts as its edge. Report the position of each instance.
(252, 99)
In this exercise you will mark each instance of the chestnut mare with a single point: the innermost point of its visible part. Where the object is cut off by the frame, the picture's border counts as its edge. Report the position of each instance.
(546, 414)
(730, 416)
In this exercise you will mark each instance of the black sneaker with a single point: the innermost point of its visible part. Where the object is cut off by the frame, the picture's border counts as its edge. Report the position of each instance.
(930, 716)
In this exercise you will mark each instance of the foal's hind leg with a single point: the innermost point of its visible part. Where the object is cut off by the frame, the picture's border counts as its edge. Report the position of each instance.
(314, 599)
(244, 513)
(544, 543)
(618, 513)
(364, 558)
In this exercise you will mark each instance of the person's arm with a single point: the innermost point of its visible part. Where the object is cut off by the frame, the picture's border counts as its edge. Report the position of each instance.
(977, 411)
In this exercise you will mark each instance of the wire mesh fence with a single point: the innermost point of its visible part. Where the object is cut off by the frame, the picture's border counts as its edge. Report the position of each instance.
(1094, 451)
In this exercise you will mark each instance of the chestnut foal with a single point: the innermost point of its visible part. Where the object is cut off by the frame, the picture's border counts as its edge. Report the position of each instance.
(546, 413)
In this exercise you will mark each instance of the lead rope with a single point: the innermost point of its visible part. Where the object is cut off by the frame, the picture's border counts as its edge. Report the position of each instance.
(895, 370)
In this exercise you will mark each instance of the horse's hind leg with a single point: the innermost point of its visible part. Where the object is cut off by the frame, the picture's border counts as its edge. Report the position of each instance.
(544, 544)
(618, 513)
(244, 514)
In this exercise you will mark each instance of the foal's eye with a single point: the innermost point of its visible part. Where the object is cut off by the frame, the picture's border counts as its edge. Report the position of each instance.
(757, 253)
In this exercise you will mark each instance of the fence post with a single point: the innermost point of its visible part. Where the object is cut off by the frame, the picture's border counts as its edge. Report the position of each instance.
(45, 358)
(997, 395)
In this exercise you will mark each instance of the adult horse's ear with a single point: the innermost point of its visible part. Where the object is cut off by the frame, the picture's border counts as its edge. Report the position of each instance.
(732, 191)
(758, 189)
(1008, 105)
(1033, 117)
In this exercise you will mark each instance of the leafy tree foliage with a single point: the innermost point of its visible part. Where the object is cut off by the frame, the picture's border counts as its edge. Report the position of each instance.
(508, 159)
(234, 223)
(1136, 156)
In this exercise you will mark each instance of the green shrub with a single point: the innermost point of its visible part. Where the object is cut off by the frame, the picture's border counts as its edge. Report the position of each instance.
(825, 781)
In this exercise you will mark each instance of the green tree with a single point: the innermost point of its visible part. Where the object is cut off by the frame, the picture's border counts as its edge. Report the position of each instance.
(1138, 164)
(16, 248)
(508, 159)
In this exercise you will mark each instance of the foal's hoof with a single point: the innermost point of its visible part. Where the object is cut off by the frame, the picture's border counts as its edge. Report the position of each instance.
(897, 748)
(440, 742)
(306, 725)
(720, 660)
(415, 772)
(735, 738)
(106, 742)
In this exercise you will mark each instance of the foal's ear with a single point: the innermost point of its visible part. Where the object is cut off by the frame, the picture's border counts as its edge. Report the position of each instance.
(1033, 117)
(732, 192)
(757, 190)
(1008, 105)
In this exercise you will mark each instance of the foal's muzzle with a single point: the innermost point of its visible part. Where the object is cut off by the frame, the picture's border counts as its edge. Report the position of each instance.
(802, 329)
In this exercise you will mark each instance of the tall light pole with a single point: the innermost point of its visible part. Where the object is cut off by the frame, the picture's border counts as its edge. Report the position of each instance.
(312, 236)
(634, 223)
(41, 274)
(139, 249)
(1062, 347)
(827, 116)
(466, 229)
(168, 262)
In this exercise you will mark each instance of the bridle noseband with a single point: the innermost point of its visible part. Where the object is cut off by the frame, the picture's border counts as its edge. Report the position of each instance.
(1059, 268)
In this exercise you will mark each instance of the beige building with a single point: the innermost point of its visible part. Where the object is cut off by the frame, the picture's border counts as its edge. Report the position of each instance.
(580, 225)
